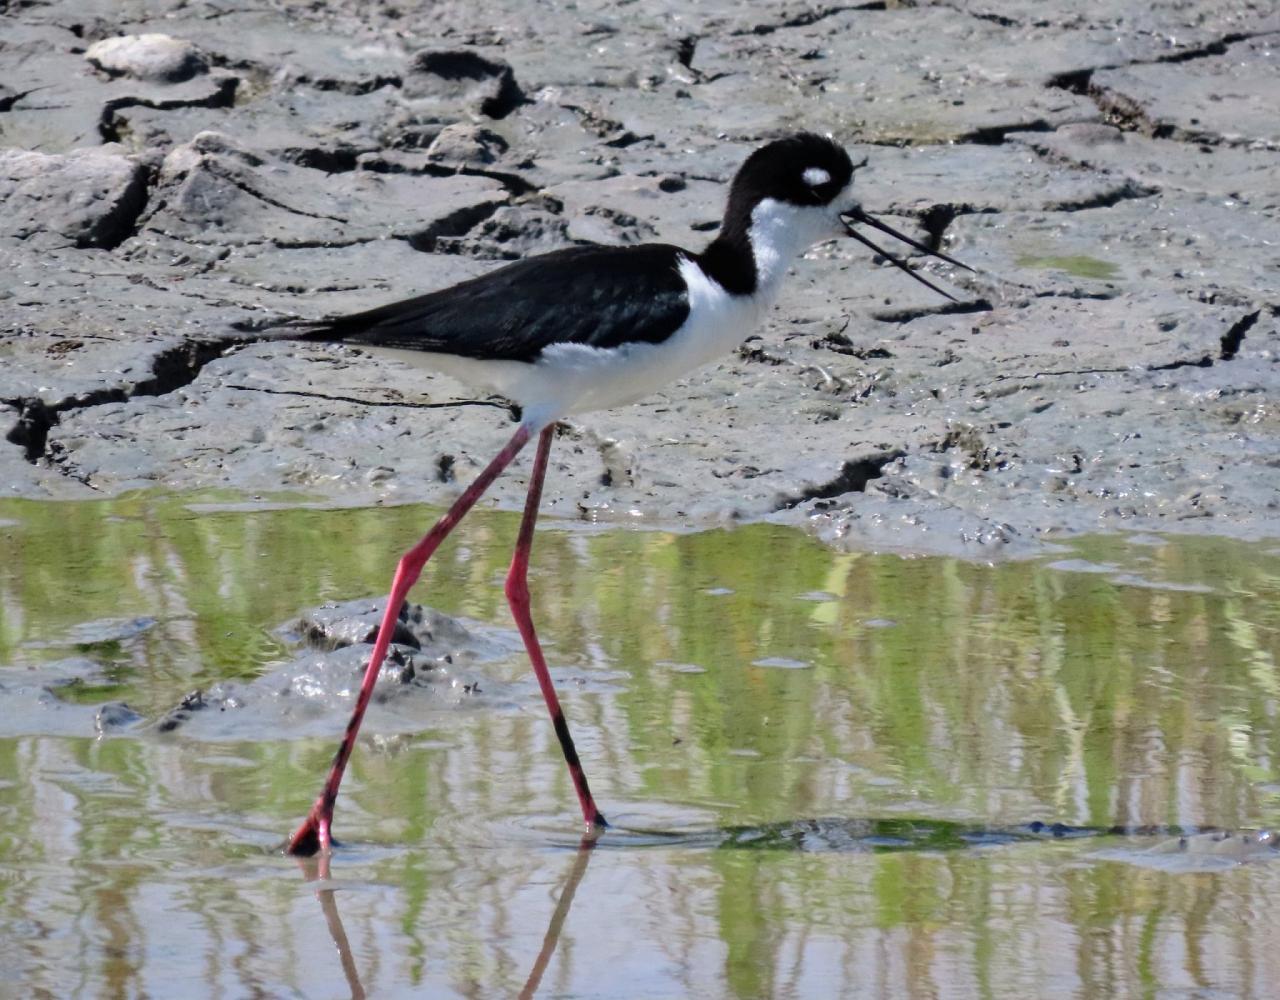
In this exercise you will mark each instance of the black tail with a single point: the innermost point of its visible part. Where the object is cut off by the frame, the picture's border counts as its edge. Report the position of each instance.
(269, 328)
(388, 325)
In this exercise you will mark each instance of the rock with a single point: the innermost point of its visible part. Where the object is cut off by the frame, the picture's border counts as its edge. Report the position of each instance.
(423, 629)
(114, 716)
(188, 706)
(154, 57)
(466, 145)
(463, 78)
(89, 197)
(59, 104)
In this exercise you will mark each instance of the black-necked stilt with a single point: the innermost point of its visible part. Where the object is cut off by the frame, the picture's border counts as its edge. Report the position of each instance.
(588, 328)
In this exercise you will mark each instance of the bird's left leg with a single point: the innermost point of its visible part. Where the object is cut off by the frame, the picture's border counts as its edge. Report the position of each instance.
(313, 835)
(517, 589)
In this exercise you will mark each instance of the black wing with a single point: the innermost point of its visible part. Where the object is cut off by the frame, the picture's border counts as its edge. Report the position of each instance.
(601, 296)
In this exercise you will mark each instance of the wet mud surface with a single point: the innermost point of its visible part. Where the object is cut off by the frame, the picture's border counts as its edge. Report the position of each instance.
(169, 172)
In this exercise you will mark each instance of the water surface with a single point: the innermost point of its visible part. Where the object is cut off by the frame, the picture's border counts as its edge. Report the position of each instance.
(823, 767)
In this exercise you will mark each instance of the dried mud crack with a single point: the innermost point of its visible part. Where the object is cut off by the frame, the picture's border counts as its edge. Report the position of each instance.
(1109, 175)
(171, 369)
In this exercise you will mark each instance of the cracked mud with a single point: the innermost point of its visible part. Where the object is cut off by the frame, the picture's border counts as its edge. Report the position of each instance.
(170, 182)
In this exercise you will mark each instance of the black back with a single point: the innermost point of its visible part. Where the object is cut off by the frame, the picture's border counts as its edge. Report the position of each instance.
(594, 295)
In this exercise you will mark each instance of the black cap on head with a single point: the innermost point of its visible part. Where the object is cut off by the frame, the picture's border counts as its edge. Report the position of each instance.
(802, 169)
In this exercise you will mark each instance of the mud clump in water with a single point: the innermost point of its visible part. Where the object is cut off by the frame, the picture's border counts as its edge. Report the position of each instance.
(430, 657)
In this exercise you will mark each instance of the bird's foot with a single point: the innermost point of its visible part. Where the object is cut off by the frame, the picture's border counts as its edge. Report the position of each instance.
(593, 828)
(312, 836)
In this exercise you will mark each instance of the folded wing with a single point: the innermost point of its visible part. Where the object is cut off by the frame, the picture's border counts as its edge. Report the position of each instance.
(600, 296)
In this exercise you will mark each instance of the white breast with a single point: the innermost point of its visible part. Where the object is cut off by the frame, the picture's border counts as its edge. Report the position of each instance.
(572, 378)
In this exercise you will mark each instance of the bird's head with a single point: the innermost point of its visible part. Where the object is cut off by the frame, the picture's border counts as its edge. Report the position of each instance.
(798, 191)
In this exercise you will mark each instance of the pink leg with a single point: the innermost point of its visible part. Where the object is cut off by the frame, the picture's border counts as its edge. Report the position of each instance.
(518, 597)
(313, 835)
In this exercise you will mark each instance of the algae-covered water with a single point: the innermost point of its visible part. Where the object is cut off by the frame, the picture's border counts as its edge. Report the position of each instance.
(827, 771)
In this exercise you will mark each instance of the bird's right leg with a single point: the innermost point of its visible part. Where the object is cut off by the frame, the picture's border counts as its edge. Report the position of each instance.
(517, 589)
(313, 835)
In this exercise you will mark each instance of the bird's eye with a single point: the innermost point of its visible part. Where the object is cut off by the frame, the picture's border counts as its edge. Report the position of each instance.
(815, 176)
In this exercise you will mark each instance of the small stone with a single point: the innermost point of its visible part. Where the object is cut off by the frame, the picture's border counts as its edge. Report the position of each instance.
(114, 715)
(464, 78)
(462, 144)
(154, 57)
(1091, 133)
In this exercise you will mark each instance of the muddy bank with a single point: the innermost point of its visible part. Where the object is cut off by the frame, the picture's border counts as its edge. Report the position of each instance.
(169, 171)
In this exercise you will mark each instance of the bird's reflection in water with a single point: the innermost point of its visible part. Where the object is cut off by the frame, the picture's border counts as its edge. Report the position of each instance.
(552, 937)
(316, 869)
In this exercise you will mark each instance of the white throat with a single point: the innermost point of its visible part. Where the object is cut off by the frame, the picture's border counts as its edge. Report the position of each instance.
(779, 233)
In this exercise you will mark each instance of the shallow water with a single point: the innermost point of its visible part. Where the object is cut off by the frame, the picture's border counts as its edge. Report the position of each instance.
(822, 767)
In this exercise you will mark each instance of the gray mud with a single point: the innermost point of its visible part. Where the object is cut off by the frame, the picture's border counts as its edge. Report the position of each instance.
(171, 170)
(431, 664)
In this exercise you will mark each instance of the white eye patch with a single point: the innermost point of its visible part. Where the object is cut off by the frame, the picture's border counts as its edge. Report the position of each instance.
(815, 176)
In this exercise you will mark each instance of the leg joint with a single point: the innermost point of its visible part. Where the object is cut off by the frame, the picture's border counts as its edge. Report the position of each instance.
(517, 586)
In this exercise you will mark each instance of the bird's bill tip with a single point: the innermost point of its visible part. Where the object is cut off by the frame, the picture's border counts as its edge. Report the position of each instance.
(857, 214)
(900, 264)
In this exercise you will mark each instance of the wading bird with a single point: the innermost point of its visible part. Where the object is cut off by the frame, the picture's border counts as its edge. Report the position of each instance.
(588, 328)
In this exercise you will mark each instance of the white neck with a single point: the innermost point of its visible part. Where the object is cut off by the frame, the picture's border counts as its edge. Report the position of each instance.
(779, 233)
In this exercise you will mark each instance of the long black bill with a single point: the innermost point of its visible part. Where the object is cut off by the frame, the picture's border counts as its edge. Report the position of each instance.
(858, 215)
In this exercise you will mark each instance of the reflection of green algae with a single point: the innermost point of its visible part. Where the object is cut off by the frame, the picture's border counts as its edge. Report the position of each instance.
(79, 692)
(998, 694)
(1071, 653)
(1073, 264)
